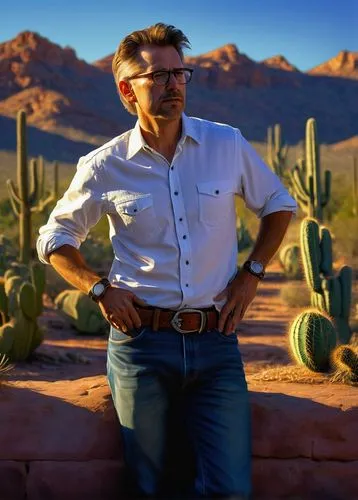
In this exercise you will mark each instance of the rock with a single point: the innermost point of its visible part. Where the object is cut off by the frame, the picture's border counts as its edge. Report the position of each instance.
(302, 479)
(291, 420)
(90, 480)
(12, 480)
(65, 420)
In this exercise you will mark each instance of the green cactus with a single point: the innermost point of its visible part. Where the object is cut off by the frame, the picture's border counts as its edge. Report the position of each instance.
(26, 199)
(312, 338)
(345, 360)
(8, 253)
(276, 152)
(306, 177)
(21, 335)
(329, 293)
(290, 260)
(82, 312)
(244, 239)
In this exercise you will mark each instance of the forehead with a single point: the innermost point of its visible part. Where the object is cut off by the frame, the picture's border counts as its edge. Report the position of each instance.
(152, 57)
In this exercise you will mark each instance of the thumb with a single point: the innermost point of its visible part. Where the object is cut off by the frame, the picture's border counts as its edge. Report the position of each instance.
(139, 301)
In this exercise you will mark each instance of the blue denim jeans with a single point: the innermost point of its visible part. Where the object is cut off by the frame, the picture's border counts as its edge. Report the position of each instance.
(182, 399)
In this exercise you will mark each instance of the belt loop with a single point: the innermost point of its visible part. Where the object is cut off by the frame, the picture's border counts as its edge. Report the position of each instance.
(155, 319)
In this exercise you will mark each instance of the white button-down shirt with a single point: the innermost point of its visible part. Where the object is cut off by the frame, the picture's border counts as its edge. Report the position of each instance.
(172, 226)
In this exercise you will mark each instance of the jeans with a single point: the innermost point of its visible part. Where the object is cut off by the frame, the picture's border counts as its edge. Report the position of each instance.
(182, 402)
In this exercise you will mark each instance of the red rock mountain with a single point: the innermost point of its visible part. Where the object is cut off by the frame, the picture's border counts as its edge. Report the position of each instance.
(54, 87)
(76, 100)
(344, 64)
(226, 68)
(279, 62)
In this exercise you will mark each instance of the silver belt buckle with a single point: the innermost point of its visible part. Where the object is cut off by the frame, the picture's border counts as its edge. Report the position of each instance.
(176, 321)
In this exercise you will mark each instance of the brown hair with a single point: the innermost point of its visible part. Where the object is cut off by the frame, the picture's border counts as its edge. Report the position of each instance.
(125, 58)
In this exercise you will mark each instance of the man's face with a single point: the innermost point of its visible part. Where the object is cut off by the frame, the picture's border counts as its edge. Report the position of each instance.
(152, 100)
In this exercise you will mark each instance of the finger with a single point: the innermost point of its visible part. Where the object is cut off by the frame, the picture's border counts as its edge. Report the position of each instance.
(139, 301)
(235, 319)
(125, 317)
(225, 311)
(229, 323)
(133, 313)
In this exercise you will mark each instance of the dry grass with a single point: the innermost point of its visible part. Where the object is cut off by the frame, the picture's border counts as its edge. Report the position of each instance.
(299, 375)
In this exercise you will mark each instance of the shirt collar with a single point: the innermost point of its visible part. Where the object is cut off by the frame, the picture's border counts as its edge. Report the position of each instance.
(136, 141)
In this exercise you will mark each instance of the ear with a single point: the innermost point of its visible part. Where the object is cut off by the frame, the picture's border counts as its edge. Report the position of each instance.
(126, 91)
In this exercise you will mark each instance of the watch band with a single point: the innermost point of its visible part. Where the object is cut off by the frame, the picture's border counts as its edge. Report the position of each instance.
(96, 297)
(248, 267)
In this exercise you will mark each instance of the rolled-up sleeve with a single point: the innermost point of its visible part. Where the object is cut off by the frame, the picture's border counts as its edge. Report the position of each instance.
(75, 213)
(261, 189)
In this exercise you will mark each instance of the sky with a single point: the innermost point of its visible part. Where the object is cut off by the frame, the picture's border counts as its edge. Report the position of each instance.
(307, 32)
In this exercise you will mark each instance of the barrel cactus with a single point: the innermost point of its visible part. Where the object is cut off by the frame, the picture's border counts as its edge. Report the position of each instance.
(312, 338)
(83, 314)
(290, 260)
(345, 360)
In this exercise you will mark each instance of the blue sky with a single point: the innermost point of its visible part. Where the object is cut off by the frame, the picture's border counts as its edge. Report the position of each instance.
(307, 32)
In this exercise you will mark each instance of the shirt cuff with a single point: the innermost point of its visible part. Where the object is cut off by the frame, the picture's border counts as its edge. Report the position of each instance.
(281, 203)
(46, 245)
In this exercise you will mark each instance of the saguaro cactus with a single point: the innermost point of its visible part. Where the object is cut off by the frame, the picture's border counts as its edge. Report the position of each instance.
(25, 199)
(329, 293)
(276, 151)
(306, 177)
(21, 334)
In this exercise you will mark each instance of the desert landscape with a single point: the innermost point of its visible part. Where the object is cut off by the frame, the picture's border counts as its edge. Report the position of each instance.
(60, 437)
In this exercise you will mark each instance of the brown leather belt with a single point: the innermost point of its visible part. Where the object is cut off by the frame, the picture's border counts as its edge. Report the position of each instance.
(183, 321)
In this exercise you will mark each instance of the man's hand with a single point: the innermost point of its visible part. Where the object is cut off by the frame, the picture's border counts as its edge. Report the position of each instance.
(240, 293)
(117, 306)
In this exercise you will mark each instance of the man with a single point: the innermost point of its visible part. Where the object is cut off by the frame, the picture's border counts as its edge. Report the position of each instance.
(168, 188)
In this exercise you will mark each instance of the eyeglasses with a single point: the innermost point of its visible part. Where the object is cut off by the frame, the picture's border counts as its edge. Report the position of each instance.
(161, 77)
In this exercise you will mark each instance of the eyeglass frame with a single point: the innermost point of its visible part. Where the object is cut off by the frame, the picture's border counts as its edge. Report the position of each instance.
(168, 71)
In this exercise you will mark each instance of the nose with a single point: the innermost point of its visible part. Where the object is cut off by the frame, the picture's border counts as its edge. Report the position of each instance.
(172, 82)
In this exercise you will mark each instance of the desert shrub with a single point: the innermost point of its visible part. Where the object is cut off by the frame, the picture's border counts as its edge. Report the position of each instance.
(295, 295)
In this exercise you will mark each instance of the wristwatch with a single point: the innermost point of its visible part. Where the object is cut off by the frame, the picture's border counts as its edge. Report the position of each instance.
(255, 267)
(99, 289)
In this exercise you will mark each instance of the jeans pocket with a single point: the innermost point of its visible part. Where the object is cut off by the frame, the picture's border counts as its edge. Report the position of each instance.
(231, 338)
(120, 338)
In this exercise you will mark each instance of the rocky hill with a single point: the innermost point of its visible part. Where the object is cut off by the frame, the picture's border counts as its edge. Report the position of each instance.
(66, 96)
(344, 64)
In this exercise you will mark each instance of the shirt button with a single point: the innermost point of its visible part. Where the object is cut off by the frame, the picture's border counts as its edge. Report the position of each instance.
(187, 262)
(187, 285)
(184, 237)
(176, 193)
(181, 219)
(172, 168)
(217, 191)
(135, 210)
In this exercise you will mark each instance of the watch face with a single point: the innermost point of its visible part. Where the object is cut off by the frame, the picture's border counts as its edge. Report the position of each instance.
(98, 289)
(257, 267)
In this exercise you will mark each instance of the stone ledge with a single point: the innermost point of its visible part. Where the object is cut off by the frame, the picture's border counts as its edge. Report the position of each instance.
(304, 440)
(273, 479)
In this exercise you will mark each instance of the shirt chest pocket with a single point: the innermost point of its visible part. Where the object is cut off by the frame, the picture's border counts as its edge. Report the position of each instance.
(137, 213)
(216, 202)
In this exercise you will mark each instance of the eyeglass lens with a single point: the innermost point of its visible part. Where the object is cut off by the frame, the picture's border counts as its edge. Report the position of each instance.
(162, 77)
